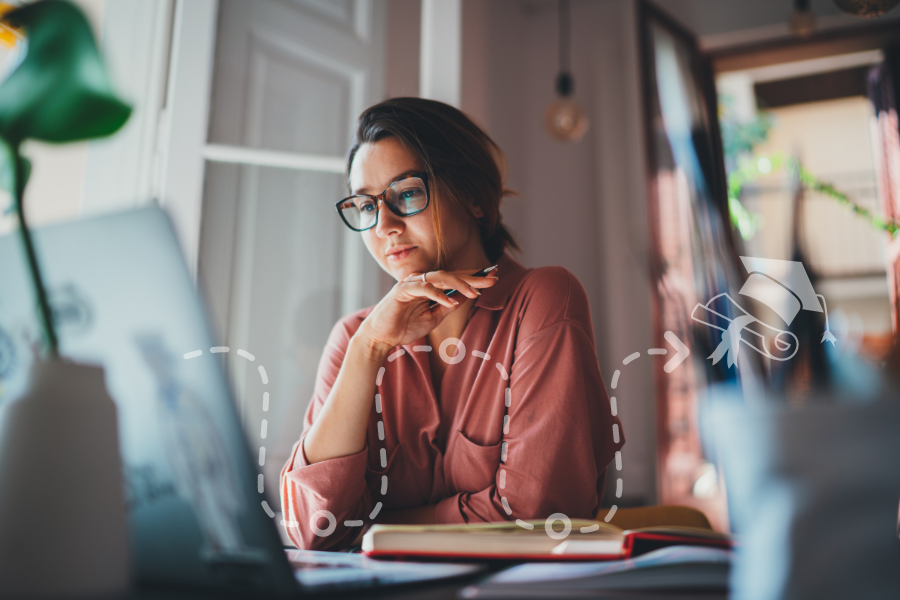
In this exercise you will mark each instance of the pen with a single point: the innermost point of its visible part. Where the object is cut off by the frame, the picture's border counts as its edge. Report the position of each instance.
(480, 273)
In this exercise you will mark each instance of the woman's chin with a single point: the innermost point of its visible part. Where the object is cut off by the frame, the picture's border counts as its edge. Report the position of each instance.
(401, 272)
(402, 269)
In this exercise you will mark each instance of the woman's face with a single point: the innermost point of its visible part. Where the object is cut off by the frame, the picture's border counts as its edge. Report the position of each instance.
(404, 245)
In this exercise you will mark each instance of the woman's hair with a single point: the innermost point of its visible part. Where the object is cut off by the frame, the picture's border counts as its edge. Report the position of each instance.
(461, 160)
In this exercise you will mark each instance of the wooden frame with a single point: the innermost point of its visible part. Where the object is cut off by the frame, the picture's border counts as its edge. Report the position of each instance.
(872, 36)
(674, 258)
(675, 254)
(868, 36)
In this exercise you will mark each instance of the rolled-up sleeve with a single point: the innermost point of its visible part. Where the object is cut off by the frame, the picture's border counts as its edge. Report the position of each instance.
(562, 434)
(337, 487)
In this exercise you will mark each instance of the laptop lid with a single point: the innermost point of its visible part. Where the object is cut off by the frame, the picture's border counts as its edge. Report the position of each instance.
(122, 298)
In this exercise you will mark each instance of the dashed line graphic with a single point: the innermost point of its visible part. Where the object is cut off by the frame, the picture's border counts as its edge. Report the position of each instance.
(263, 430)
(382, 451)
(682, 353)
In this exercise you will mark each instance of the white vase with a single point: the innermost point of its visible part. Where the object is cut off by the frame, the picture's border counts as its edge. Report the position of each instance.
(63, 529)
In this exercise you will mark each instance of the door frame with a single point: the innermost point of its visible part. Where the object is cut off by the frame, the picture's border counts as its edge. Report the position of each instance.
(716, 179)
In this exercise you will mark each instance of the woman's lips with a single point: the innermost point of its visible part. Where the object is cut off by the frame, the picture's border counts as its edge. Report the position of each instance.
(398, 256)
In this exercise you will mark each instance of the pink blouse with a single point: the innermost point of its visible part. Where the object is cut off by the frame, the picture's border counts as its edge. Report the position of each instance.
(523, 428)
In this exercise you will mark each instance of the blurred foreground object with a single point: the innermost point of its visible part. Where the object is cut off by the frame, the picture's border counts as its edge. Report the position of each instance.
(812, 495)
(59, 92)
(63, 530)
(866, 9)
(60, 466)
(564, 119)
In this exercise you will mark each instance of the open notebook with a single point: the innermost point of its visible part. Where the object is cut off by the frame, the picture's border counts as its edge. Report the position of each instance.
(588, 540)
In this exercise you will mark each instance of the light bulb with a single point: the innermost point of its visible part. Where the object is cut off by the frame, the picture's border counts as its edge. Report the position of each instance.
(803, 23)
(565, 120)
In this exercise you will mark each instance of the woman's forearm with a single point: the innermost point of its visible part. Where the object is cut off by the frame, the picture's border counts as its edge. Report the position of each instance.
(401, 317)
(340, 429)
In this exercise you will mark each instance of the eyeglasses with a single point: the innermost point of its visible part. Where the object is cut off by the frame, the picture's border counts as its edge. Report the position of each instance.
(405, 197)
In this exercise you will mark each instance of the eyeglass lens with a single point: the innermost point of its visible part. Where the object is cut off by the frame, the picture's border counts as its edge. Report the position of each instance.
(405, 197)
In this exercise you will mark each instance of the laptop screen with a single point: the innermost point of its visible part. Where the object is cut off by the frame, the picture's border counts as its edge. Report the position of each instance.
(122, 298)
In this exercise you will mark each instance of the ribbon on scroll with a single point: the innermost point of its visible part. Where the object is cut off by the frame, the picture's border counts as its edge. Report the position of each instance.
(783, 286)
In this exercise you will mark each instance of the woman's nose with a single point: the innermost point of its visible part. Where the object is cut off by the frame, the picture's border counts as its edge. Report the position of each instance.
(388, 222)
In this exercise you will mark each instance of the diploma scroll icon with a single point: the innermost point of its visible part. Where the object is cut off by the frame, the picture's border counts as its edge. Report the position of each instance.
(783, 286)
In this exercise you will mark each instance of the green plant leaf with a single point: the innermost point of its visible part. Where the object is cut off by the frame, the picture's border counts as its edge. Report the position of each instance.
(60, 92)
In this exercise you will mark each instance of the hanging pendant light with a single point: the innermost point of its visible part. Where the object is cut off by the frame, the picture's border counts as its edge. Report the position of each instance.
(866, 9)
(564, 118)
(803, 21)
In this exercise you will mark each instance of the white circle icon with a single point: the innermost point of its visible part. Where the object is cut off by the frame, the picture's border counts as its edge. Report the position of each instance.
(460, 351)
(558, 535)
(314, 523)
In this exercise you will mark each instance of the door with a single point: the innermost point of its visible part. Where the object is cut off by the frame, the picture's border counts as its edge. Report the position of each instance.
(276, 264)
(884, 82)
(693, 254)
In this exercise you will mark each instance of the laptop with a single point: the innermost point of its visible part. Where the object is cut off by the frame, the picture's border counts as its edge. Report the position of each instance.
(122, 298)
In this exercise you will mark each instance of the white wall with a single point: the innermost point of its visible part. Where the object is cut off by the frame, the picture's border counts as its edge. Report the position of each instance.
(581, 205)
(832, 138)
(403, 42)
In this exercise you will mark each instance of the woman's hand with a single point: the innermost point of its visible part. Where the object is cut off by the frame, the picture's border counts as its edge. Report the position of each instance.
(403, 315)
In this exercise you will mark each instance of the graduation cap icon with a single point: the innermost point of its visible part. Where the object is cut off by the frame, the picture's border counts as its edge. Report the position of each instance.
(782, 285)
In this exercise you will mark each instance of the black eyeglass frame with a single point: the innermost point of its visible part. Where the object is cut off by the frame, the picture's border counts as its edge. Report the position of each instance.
(423, 176)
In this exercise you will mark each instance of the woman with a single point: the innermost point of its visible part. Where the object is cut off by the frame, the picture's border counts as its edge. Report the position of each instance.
(433, 439)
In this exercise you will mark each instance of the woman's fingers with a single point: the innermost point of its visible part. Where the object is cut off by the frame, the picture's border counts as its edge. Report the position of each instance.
(414, 286)
(446, 280)
(454, 282)
(417, 289)
(439, 312)
(479, 282)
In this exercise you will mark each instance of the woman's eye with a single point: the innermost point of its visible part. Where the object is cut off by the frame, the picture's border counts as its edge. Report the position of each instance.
(366, 207)
(411, 195)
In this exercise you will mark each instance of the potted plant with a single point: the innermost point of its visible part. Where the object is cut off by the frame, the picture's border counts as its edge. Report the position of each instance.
(60, 467)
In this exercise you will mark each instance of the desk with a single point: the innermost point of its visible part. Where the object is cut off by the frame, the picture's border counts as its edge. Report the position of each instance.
(439, 590)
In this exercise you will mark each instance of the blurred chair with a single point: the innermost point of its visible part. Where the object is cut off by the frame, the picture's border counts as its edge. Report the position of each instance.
(656, 516)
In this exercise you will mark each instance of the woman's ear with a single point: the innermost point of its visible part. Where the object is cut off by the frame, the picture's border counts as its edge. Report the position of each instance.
(476, 211)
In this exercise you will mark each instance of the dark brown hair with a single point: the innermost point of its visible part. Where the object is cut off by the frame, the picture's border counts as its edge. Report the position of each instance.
(462, 161)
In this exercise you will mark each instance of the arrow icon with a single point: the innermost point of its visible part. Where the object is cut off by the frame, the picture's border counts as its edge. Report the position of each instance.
(682, 352)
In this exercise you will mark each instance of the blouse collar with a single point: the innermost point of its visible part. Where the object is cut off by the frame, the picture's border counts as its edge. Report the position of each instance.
(510, 274)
